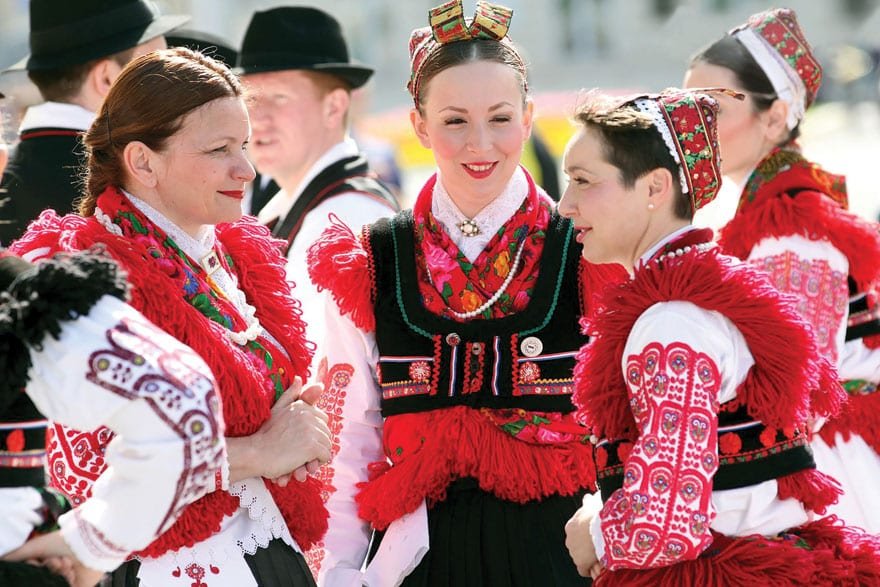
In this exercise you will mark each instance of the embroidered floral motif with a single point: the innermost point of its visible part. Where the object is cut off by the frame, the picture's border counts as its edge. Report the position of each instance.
(332, 401)
(75, 460)
(248, 393)
(787, 169)
(780, 29)
(821, 292)
(122, 369)
(529, 372)
(195, 283)
(464, 286)
(420, 371)
(536, 427)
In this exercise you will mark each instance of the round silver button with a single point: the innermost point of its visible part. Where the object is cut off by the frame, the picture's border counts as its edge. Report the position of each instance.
(531, 346)
(453, 339)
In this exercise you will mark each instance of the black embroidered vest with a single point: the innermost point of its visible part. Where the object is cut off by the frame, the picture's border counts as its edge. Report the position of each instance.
(427, 362)
(351, 174)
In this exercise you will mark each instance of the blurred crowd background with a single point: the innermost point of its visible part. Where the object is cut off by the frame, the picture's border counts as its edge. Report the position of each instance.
(619, 45)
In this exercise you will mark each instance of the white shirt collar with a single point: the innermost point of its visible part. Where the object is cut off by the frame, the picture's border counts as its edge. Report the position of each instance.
(646, 256)
(195, 248)
(489, 220)
(58, 115)
(282, 202)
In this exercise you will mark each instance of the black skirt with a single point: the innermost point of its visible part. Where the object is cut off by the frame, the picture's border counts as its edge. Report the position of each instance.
(479, 540)
(21, 574)
(277, 565)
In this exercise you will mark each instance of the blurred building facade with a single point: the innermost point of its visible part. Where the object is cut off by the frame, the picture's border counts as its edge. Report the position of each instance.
(569, 44)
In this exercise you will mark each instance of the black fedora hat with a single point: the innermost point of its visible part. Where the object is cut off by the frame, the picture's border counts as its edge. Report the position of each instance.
(70, 32)
(298, 37)
(207, 43)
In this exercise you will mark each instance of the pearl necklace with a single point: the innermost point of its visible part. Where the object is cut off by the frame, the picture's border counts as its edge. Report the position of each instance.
(491, 301)
(702, 248)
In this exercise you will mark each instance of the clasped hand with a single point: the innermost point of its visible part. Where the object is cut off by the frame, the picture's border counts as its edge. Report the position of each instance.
(293, 442)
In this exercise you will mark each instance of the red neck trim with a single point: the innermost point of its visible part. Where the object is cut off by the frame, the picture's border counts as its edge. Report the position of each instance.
(788, 196)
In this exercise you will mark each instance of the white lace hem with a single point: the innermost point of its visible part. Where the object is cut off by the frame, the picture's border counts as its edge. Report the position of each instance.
(220, 558)
(254, 496)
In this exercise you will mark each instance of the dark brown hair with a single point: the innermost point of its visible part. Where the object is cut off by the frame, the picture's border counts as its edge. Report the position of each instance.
(64, 83)
(729, 53)
(462, 52)
(632, 144)
(147, 103)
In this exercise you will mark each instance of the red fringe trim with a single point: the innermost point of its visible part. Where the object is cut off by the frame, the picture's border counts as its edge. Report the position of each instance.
(259, 267)
(855, 550)
(814, 216)
(788, 383)
(463, 443)
(859, 417)
(829, 555)
(595, 279)
(812, 488)
(339, 264)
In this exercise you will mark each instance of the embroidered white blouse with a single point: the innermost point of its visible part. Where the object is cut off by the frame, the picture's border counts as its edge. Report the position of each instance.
(699, 339)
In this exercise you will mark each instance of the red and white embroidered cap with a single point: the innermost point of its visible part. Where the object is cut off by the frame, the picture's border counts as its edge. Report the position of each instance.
(686, 120)
(776, 41)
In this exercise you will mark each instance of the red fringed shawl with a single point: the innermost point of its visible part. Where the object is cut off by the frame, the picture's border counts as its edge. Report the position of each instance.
(784, 197)
(247, 395)
(788, 384)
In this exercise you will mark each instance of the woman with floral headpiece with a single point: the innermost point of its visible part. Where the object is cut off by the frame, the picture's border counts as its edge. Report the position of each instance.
(792, 222)
(455, 328)
(700, 379)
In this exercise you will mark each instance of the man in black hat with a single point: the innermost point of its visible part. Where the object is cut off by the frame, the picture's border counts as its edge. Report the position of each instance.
(77, 50)
(295, 61)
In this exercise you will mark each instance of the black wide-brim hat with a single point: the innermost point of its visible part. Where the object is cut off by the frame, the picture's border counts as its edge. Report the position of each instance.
(298, 37)
(70, 32)
(207, 43)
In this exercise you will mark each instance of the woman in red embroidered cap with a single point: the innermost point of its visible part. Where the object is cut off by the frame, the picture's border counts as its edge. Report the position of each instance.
(163, 198)
(455, 329)
(792, 222)
(700, 379)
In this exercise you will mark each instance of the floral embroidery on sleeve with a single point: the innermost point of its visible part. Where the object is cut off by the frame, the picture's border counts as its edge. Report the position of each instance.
(662, 513)
(822, 294)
